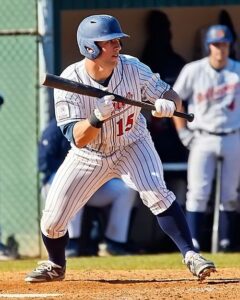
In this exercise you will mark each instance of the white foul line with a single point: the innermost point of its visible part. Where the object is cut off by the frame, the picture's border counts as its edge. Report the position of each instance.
(28, 295)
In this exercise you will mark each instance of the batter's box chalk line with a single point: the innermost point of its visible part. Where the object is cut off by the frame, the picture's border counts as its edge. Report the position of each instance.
(23, 296)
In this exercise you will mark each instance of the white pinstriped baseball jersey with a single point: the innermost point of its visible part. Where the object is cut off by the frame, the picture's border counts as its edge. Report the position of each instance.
(123, 148)
(130, 79)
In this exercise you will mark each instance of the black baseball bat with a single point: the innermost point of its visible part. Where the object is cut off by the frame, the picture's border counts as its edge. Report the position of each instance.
(61, 83)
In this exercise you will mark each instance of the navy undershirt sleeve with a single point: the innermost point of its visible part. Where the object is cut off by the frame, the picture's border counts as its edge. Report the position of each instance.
(67, 130)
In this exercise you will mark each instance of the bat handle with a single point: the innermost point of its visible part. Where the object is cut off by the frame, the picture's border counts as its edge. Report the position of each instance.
(188, 117)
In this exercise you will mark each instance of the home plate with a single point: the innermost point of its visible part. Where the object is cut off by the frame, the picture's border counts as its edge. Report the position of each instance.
(28, 295)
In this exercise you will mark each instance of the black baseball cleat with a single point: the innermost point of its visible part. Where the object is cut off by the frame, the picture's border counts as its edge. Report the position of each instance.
(45, 272)
(199, 266)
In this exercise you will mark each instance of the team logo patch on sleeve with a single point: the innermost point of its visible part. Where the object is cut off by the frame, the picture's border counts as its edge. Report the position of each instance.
(62, 111)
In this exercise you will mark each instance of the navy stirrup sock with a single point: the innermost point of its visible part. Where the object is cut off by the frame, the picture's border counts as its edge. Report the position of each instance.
(56, 249)
(195, 221)
(173, 223)
(227, 223)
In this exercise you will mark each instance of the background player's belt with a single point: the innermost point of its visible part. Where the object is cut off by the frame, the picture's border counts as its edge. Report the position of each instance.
(223, 133)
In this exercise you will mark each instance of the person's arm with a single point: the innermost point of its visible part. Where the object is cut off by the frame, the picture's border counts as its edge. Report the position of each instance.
(84, 133)
(166, 105)
(180, 123)
(158, 92)
(81, 132)
(185, 134)
(173, 96)
(184, 86)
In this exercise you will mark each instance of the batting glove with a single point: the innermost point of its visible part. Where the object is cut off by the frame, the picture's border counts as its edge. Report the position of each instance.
(186, 136)
(164, 108)
(104, 107)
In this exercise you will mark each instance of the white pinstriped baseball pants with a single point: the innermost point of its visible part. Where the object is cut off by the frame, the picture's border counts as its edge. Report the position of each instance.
(122, 200)
(80, 176)
(201, 171)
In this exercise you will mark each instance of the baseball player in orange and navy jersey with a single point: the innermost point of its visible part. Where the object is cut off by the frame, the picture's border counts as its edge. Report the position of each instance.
(110, 140)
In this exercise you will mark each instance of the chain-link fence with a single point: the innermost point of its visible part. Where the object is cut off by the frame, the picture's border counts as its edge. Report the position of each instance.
(19, 211)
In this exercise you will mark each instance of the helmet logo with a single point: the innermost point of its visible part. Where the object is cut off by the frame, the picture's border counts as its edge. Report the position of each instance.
(89, 50)
(219, 33)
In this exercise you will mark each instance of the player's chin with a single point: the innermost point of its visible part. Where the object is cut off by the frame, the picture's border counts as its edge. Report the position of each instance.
(114, 59)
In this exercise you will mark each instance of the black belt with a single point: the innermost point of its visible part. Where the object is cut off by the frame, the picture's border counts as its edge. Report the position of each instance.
(218, 133)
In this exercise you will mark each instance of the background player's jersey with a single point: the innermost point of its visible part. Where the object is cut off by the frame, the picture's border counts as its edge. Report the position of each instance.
(213, 96)
(131, 79)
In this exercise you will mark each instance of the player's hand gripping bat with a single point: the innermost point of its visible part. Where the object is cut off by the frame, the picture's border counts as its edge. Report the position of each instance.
(58, 82)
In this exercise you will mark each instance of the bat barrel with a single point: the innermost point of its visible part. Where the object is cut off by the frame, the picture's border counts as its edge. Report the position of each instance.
(188, 117)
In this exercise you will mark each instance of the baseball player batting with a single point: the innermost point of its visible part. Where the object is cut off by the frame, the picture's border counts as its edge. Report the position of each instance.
(211, 86)
(110, 140)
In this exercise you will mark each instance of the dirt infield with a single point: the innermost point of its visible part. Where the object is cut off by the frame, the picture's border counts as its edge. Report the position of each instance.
(125, 285)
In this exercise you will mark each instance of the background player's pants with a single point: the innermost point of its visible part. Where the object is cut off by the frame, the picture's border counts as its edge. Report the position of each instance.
(82, 174)
(121, 198)
(201, 172)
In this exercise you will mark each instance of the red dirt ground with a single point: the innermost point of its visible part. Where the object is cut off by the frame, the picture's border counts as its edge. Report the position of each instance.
(128, 285)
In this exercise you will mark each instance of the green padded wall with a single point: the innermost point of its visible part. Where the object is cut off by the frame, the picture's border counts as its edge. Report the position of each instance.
(19, 125)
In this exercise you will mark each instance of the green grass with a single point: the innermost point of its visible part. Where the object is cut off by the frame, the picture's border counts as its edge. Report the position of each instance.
(147, 262)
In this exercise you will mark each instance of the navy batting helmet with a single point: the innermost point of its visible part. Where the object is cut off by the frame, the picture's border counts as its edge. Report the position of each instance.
(97, 28)
(218, 34)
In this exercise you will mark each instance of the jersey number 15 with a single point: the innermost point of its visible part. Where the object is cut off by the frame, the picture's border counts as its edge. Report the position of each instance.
(125, 127)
